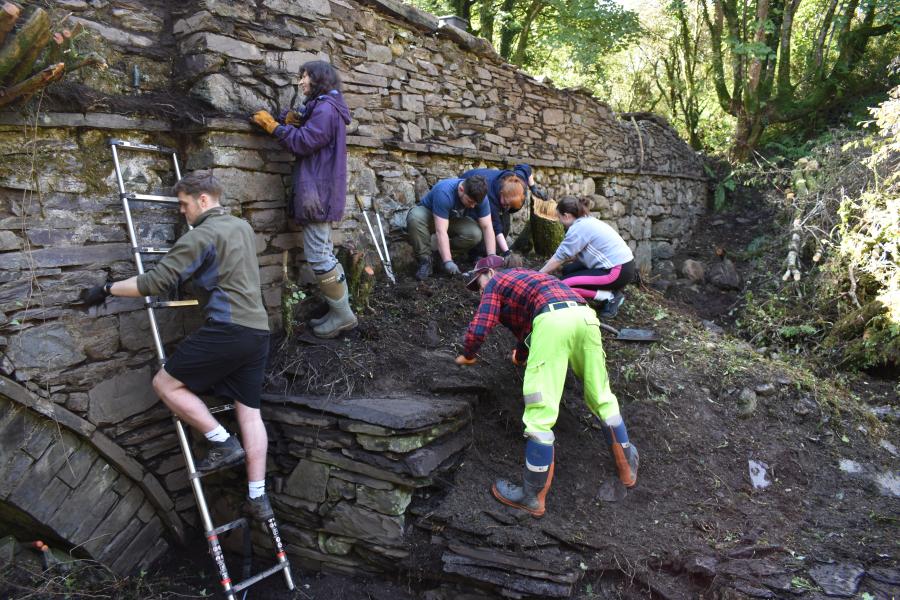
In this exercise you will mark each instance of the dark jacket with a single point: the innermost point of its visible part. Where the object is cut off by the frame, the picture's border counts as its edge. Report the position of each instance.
(218, 256)
(320, 144)
(494, 177)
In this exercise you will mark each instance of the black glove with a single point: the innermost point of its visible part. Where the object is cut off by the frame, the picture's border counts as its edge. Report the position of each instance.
(537, 192)
(93, 296)
(506, 253)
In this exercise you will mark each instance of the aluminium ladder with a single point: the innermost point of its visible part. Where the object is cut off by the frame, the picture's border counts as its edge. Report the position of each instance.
(212, 533)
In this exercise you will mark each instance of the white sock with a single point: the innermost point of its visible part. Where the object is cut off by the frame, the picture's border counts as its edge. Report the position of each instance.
(603, 295)
(217, 435)
(257, 488)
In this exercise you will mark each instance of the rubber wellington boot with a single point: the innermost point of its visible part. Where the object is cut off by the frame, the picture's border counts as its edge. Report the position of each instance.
(339, 272)
(340, 316)
(624, 454)
(532, 494)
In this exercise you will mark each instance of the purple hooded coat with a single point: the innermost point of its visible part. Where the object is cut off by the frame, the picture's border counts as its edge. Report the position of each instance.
(320, 173)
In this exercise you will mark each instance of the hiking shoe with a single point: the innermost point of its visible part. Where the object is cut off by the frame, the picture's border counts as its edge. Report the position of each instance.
(221, 455)
(425, 269)
(611, 308)
(259, 508)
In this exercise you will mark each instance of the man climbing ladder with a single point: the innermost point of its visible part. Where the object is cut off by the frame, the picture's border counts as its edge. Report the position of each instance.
(228, 354)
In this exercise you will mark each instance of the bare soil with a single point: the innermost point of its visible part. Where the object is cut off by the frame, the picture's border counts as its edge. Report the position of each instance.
(694, 525)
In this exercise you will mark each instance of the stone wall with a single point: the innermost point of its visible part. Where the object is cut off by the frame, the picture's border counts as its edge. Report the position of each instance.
(428, 102)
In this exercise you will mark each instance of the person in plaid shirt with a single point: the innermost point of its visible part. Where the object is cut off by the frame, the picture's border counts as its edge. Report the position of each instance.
(554, 329)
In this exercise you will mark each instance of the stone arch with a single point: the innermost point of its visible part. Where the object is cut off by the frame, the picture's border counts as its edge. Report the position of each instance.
(63, 479)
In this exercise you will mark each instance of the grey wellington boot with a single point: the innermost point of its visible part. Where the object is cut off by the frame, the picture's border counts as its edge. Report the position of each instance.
(339, 273)
(340, 316)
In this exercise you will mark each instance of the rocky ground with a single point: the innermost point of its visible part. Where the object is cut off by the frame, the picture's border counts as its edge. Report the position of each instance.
(760, 476)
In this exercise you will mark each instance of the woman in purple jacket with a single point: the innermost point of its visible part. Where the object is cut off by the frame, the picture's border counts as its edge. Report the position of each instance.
(317, 135)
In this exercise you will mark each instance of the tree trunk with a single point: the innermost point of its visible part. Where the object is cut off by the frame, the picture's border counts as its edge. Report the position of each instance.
(522, 43)
(32, 84)
(9, 14)
(486, 20)
(508, 31)
(747, 132)
(20, 46)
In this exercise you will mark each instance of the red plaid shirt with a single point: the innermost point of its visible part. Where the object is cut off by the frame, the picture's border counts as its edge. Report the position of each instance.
(513, 298)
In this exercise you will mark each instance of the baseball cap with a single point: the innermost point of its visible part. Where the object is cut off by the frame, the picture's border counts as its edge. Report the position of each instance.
(483, 265)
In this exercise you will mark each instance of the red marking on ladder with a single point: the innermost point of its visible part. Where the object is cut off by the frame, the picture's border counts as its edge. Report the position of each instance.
(280, 555)
(226, 581)
(212, 537)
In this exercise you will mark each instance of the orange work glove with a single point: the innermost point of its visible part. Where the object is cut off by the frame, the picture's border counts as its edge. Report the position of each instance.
(515, 358)
(462, 360)
(292, 118)
(264, 120)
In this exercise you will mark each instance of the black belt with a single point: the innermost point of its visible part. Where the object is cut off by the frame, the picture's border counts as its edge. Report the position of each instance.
(557, 306)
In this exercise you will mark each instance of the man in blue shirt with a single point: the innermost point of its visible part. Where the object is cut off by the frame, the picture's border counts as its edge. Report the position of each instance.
(506, 195)
(458, 213)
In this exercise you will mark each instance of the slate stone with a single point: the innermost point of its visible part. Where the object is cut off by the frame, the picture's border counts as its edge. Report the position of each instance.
(78, 465)
(333, 544)
(308, 481)
(424, 461)
(126, 394)
(838, 579)
(100, 254)
(363, 524)
(88, 504)
(405, 443)
(357, 478)
(144, 541)
(37, 441)
(28, 489)
(299, 8)
(395, 413)
(338, 489)
(43, 345)
(220, 44)
(389, 502)
(52, 497)
(517, 585)
(348, 464)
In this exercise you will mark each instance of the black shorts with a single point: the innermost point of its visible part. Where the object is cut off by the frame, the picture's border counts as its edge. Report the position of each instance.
(226, 359)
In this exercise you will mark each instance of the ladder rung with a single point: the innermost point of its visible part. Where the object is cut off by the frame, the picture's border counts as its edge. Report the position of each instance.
(173, 303)
(242, 522)
(260, 576)
(137, 146)
(150, 198)
(152, 250)
(223, 408)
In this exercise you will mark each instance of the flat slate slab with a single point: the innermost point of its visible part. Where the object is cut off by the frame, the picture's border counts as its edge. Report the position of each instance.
(410, 412)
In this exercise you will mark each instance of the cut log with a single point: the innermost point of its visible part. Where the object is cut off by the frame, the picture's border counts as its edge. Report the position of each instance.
(360, 277)
(9, 14)
(35, 31)
(546, 230)
(32, 84)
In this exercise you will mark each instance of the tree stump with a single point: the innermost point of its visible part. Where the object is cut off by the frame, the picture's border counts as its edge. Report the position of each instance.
(546, 230)
(360, 277)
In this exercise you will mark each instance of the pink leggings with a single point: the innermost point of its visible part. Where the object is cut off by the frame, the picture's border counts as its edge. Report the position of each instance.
(586, 282)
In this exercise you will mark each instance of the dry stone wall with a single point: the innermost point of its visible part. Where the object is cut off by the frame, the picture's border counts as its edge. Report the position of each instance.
(428, 102)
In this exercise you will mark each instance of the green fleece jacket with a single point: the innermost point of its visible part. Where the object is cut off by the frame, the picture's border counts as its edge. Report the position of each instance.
(219, 257)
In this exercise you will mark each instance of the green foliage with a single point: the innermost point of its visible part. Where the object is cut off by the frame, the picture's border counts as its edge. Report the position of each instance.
(291, 296)
(846, 307)
(723, 185)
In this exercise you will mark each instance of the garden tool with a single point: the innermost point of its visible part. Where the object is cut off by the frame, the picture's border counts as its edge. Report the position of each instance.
(628, 334)
(381, 247)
